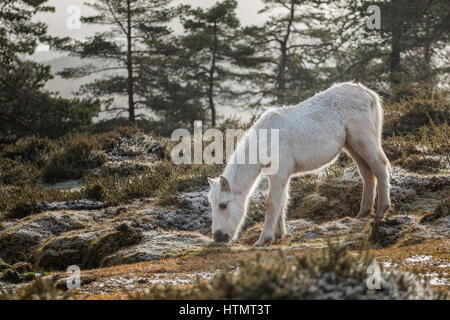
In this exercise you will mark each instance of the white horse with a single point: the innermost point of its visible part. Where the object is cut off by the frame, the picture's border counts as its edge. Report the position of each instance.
(311, 135)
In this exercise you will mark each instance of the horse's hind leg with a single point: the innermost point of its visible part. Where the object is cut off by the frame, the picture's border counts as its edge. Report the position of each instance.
(369, 183)
(381, 170)
(366, 144)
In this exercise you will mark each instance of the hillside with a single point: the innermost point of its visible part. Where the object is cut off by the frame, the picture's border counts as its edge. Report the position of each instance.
(138, 226)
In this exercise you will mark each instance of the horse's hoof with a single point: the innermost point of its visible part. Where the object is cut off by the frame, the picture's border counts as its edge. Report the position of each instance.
(259, 244)
(263, 241)
(362, 215)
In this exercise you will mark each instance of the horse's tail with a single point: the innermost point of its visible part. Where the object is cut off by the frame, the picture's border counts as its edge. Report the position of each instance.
(378, 115)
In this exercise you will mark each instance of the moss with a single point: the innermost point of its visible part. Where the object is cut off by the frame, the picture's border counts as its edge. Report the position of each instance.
(28, 276)
(9, 275)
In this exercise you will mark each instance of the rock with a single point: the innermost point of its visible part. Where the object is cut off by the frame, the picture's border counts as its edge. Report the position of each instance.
(22, 267)
(73, 205)
(195, 214)
(157, 245)
(69, 249)
(123, 236)
(18, 242)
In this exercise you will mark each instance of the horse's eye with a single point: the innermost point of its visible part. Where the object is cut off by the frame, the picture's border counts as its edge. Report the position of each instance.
(222, 206)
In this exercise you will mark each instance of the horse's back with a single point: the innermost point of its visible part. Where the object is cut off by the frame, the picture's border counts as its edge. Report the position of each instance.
(314, 131)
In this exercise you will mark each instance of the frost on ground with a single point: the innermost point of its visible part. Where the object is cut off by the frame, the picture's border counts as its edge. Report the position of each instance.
(138, 243)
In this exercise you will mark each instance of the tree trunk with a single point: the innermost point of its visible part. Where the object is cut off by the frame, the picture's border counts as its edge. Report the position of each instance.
(394, 64)
(130, 79)
(427, 77)
(281, 77)
(212, 70)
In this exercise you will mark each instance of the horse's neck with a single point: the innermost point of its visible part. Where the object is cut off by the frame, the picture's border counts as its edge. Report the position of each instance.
(242, 176)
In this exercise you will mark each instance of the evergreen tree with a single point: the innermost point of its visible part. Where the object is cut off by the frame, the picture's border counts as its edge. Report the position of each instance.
(409, 48)
(209, 51)
(18, 33)
(25, 107)
(166, 87)
(293, 46)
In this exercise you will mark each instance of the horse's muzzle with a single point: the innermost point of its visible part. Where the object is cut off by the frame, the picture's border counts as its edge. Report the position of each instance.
(219, 236)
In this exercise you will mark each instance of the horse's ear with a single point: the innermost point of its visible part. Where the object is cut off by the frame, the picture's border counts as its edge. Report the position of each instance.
(211, 181)
(224, 185)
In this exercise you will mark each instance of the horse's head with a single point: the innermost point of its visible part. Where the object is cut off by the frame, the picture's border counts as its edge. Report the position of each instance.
(227, 209)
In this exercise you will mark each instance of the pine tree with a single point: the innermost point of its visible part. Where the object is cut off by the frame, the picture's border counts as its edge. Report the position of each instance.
(20, 35)
(407, 49)
(26, 108)
(166, 87)
(209, 43)
(293, 45)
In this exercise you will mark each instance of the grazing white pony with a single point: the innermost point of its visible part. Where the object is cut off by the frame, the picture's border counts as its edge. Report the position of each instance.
(311, 135)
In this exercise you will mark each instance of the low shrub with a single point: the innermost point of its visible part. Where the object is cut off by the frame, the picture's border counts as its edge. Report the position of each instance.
(15, 172)
(163, 180)
(72, 159)
(335, 274)
(38, 289)
(19, 202)
(33, 150)
(413, 113)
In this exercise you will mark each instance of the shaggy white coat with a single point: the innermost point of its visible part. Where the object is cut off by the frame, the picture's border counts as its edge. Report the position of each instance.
(311, 135)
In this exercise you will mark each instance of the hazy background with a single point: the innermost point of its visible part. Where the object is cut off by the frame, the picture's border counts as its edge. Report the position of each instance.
(57, 26)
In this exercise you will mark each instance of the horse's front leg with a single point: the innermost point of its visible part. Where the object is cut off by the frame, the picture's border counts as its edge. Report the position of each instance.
(276, 200)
